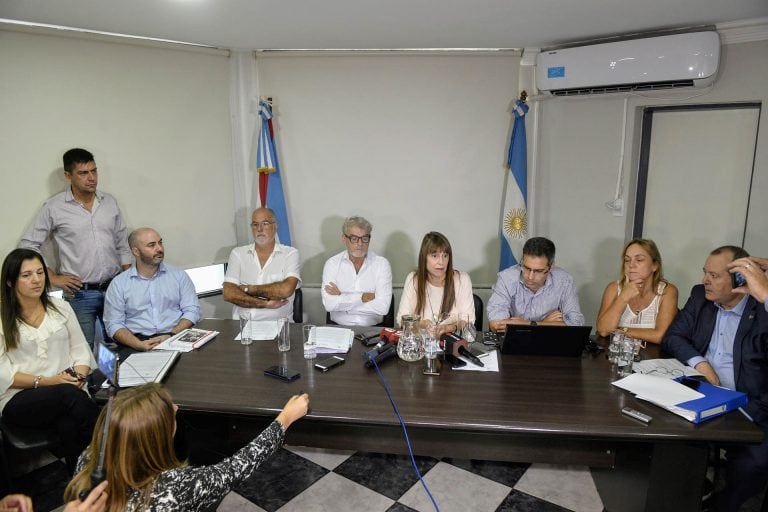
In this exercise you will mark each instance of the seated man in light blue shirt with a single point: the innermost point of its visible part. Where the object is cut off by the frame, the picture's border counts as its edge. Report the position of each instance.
(723, 333)
(535, 292)
(151, 301)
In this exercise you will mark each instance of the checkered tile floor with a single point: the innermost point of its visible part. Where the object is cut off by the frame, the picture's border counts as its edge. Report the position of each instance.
(310, 479)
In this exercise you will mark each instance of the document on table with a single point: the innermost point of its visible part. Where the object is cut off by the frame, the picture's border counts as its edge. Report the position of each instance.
(144, 367)
(332, 340)
(491, 362)
(262, 329)
(659, 390)
(667, 368)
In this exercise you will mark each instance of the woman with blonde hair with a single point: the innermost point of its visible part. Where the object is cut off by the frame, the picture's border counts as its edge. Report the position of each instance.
(641, 302)
(141, 466)
(436, 292)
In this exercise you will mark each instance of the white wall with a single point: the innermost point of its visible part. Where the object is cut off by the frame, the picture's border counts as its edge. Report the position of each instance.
(156, 119)
(579, 159)
(413, 143)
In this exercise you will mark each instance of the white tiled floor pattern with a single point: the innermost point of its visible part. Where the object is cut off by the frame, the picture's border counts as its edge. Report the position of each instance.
(454, 489)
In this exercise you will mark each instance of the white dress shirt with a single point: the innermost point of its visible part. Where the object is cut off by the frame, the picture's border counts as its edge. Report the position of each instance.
(244, 268)
(348, 308)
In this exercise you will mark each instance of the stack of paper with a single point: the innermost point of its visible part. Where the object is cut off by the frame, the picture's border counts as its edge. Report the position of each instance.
(703, 403)
(332, 340)
(262, 329)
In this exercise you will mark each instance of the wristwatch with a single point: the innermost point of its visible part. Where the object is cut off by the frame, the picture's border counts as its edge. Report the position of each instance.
(533, 322)
(245, 290)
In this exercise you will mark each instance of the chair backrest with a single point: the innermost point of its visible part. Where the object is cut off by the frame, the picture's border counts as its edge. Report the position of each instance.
(15, 441)
(387, 321)
(298, 306)
(478, 312)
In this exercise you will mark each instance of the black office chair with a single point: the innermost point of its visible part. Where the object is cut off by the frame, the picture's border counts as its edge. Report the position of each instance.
(16, 441)
(387, 321)
(478, 312)
(298, 306)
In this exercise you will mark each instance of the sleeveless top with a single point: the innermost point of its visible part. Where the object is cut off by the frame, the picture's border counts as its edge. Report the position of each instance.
(646, 318)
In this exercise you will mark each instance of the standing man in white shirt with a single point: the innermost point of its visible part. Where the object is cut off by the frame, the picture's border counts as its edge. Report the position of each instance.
(357, 283)
(262, 276)
(91, 237)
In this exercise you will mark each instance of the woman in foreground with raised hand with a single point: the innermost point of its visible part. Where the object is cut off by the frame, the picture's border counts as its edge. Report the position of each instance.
(142, 468)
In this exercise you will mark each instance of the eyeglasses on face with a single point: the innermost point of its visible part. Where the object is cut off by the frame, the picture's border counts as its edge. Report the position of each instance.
(536, 271)
(263, 224)
(356, 239)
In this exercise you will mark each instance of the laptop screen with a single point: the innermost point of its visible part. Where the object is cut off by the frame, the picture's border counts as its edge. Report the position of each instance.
(208, 280)
(107, 361)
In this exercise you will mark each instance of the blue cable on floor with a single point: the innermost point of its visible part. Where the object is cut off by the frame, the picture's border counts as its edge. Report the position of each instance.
(405, 431)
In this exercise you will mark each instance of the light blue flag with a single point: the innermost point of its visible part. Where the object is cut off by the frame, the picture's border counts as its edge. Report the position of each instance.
(514, 222)
(270, 184)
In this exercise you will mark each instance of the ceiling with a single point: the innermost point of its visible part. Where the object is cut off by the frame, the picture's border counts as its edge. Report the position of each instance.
(366, 24)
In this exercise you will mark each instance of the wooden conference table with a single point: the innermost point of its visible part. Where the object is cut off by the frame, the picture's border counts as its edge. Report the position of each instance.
(536, 409)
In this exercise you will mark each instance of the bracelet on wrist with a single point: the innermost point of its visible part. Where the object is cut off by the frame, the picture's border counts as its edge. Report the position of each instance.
(37, 381)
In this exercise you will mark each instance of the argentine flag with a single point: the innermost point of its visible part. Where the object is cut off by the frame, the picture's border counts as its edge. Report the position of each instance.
(270, 184)
(514, 221)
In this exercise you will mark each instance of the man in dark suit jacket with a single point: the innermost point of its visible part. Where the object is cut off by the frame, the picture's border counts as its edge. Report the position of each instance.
(724, 335)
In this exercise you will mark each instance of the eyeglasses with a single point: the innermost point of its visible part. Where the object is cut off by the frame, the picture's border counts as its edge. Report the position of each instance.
(536, 271)
(263, 224)
(356, 239)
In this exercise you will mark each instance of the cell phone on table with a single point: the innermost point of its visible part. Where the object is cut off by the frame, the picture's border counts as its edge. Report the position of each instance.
(327, 364)
(282, 373)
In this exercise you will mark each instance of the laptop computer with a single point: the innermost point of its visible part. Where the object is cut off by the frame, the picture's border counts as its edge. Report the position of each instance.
(545, 340)
(108, 362)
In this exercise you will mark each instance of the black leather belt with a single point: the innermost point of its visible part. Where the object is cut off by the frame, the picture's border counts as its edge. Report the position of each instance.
(102, 286)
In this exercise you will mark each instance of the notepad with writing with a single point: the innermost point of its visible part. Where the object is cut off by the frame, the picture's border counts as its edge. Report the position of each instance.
(187, 340)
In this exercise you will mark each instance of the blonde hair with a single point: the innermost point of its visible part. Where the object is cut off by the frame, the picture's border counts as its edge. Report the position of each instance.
(648, 246)
(139, 445)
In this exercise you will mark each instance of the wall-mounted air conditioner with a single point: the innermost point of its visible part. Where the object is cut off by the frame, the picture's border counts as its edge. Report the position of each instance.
(663, 62)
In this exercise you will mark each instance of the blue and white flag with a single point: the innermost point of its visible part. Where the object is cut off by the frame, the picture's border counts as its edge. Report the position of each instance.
(514, 221)
(270, 184)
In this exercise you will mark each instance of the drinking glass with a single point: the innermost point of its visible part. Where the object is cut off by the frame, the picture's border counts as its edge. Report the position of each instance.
(246, 338)
(310, 350)
(284, 336)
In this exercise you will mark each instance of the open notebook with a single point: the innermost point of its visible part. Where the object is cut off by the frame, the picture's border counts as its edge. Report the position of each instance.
(137, 369)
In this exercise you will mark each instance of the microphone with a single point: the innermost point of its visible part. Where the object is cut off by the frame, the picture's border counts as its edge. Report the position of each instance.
(391, 335)
(379, 353)
(457, 346)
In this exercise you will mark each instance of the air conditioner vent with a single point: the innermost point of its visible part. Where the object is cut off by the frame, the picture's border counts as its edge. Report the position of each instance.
(606, 89)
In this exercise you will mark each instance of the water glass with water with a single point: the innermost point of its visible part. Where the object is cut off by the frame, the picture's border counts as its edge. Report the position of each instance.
(310, 349)
(626, 356)
(284, 336)
(246, 337)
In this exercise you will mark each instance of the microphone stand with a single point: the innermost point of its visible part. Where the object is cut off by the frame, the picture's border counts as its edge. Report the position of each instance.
(98, 475)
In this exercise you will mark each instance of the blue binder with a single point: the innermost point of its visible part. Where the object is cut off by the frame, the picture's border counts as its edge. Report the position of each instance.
(716, 401)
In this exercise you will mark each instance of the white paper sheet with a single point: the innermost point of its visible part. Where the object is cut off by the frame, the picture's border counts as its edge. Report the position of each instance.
(667, 368)
(263, 329)
(332, 340)
(491, 362)
(659, 390)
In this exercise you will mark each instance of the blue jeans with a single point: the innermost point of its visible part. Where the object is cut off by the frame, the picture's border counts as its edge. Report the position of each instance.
(89, 306)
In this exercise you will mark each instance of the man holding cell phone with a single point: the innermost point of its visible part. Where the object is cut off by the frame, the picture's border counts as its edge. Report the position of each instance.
(723, 332)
